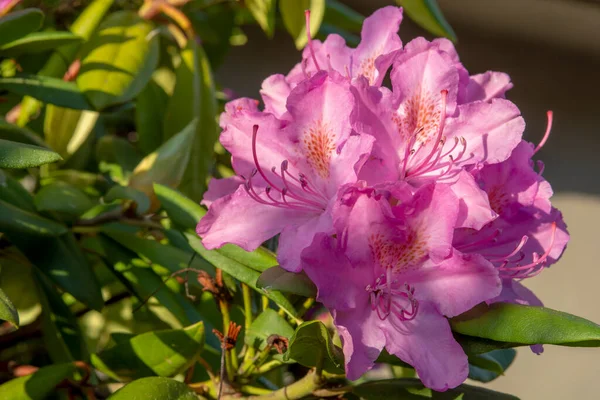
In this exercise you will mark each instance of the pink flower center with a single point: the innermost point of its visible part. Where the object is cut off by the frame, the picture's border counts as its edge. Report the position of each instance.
(389, 297)
(290, 192)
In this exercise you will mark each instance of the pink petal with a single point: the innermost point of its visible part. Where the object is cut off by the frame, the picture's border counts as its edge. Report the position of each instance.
(474, 209)
(274, 91)
(218, 188)
(427, 344)
(488, 86)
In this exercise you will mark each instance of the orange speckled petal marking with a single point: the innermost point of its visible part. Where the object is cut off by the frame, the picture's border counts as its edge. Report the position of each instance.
(319, 144)
(419, 113)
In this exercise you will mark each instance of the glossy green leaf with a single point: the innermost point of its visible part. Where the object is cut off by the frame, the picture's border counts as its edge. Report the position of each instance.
(20, 23)
(128, 193)
(154, 388)
(238, 271)
(292, 12)
(505, 322)
(38, 42)
(62, 334)
(487, 367)
(268, 323)
(428, 15)
(311, 345)
(46, 89)
(162, 353)
(21, 155)
(17, 134)
(410, 388)
(277, 278)
(118, 60)
(58, 63)
(194, 99)
(38, 385)
(66, 130)
(63, 198)
(62, 260)
(263, 12)
(342, 17)
(16, 221)
(8, 311)
(150, 111)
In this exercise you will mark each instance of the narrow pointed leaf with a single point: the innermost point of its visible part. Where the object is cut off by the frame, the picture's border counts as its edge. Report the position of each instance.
(62, 335)
(341, 16)
(428, 15)
(21, 155)
(154, 388)
(277, 278)
(311, 345)
(163, 353)
(15, 221)
(292, 12)
(516, 323)
(410, 388)
(39, 385)
(38, 42)
(47, 89)
(20, 23)
(118, 60)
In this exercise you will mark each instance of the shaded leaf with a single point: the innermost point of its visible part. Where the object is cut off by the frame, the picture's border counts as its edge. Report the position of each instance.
(115, 150)
(14, 193)
(62, 198)
(277, 278)
(505, 322)
(38, 385)
(263, 12)
(311, 345)
(267, 323)
(428, 15)
(162, 353)
(21, 155)
(16, 221)
(17, 134)
(487, 367)
(157, 388)
(38, 42)
(292, 12)
(342, 17)
(150, 111)
(410, 388)
(128, 193)
(46, 89)
(118, 60)
(19, 23)
(62, 335)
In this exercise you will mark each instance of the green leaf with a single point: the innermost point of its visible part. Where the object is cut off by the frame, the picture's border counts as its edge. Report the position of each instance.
(20, 23)
(38, 385)
(238, 271)
(8, 311)
(292, 12)
(46, 89)
(162, 353)
(505, 322)
(16, 221)
(21, 155)
(17, 134)
(487, 367)
(14, 193)
(115, 150)
(311, 345)
(59, 61)
(66, 130)
(167, 164)
(342, 17)
(118, 60)
(154, 388)
(410, 388)
(38, 42)
(475, 346)
(150, 111)
(17, 283)
(64, 199)
(194, 99)
(269, 322)
(263, 12)
(62, 335)
(428, 15)
(128, 193)
(62, 260)
(277, 278)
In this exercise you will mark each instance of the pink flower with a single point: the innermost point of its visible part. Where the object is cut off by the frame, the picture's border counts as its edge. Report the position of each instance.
(291, 169)
(392, 276)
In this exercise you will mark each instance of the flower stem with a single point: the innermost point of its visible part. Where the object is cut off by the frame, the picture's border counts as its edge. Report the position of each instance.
(295, 391)
(247, 295)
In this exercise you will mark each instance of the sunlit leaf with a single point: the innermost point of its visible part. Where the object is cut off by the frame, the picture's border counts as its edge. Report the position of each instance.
(157, 388)
(292, 12)
(428, 15)
(311, 345)
(276, 278)
(8, 311)
(38, 42)
(263, 12)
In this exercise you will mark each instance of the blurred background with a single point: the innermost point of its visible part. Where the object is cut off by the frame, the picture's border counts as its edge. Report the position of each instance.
(550, 48)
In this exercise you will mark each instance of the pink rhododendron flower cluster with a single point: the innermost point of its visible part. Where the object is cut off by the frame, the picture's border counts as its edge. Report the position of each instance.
(405, 205)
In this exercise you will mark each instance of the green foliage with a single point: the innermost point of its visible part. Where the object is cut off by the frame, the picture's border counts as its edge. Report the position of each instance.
(106, 148)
